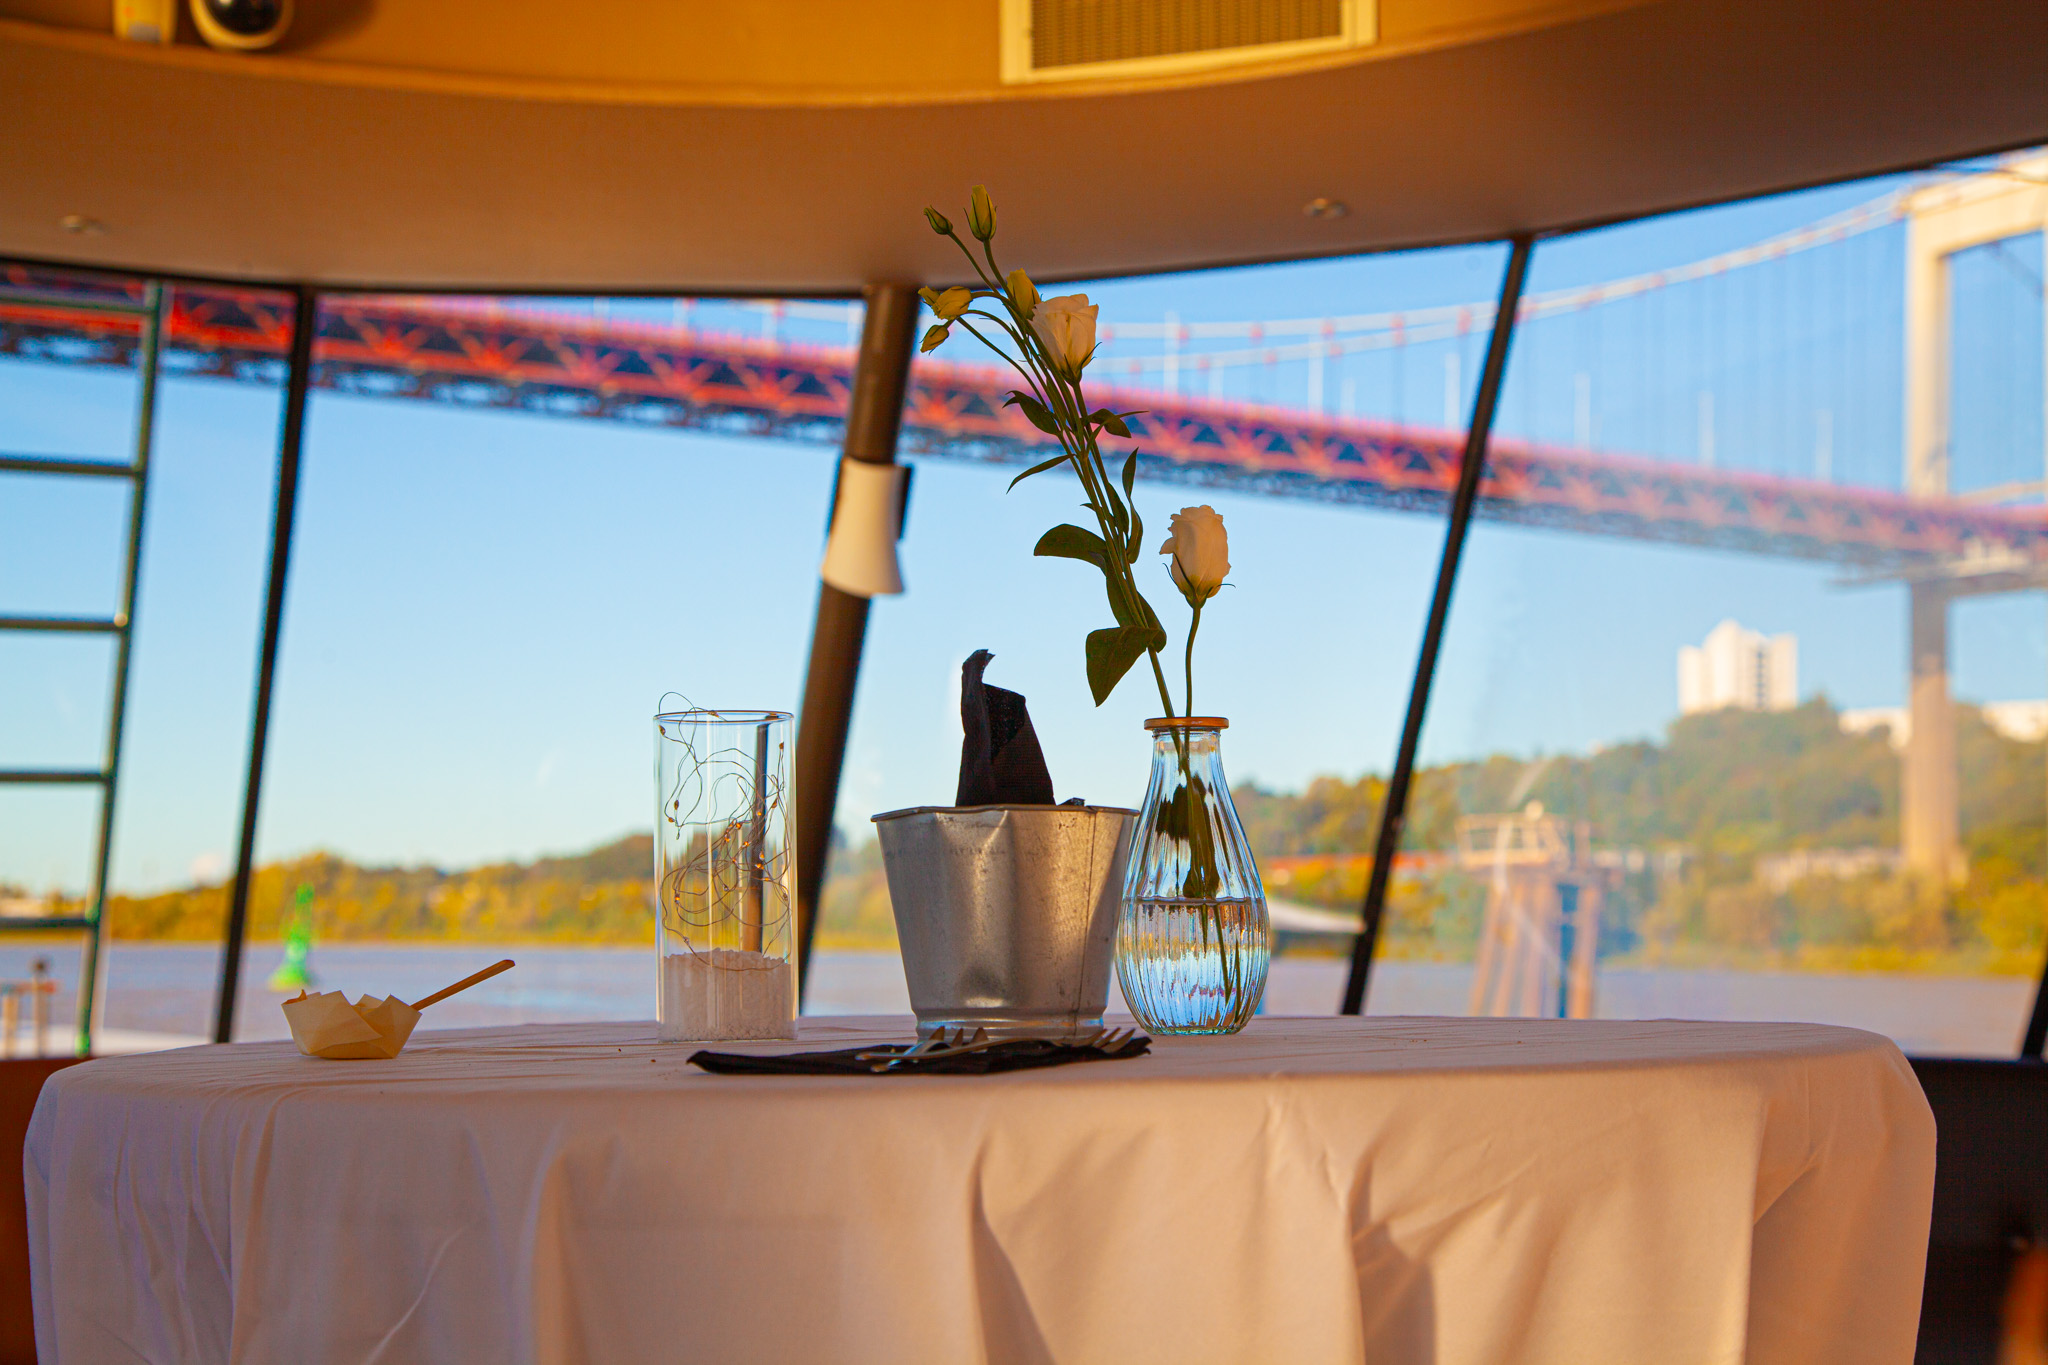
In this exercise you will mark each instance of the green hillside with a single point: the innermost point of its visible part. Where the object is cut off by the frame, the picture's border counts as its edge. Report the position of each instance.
(1722, 790)
(1700, 808)
(603, 896)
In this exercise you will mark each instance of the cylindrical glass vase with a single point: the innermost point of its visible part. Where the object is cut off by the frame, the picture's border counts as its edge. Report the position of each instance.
(724, 876)
(1192, 938)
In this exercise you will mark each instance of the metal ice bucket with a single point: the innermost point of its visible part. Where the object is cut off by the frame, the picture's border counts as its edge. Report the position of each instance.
(1006, 915)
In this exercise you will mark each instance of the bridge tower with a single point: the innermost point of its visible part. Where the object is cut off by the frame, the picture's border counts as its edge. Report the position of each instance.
(1541, 935)
(1941, 221)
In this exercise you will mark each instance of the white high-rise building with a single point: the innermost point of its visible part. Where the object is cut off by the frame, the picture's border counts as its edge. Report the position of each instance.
(1737, 667)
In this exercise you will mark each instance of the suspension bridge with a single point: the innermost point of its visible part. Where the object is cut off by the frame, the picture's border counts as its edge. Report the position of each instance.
(529, 357)
(1901, 521)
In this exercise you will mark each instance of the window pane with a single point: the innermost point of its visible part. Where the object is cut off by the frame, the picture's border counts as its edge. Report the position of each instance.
(57, 693)
(62, 541)
(68, 389)
(521, 523)
(1676, 716)
(1319, 408)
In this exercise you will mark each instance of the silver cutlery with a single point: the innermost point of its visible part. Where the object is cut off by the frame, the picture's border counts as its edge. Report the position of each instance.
(959, 1043)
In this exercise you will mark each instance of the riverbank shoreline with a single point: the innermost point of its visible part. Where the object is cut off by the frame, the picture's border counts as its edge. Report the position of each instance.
(166, 990)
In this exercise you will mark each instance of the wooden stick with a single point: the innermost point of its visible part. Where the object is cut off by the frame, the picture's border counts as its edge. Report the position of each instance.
(485, 975)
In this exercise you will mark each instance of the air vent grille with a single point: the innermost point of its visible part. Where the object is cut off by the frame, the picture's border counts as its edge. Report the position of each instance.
(1078, 39)
(1081, 32)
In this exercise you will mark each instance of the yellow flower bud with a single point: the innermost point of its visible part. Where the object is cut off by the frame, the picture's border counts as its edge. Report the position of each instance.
(938, 222)
(1024, 293)
(952, 303)
(932, 338)
(981, 213)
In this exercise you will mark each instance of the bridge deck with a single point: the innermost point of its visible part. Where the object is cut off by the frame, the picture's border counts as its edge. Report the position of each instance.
(475, 352)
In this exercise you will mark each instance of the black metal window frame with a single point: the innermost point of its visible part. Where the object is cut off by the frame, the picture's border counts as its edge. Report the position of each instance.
(1471, 468)
(882, 373)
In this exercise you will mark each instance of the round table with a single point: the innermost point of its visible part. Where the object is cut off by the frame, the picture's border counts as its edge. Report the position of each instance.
(1311, 1190)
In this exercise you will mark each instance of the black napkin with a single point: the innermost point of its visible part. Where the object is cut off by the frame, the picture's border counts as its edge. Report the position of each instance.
(1022, 1054)
(1000, 761)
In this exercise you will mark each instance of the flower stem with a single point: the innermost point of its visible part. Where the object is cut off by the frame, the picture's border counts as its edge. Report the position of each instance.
(1159, 674)
(1194, 625)
(1059, 390)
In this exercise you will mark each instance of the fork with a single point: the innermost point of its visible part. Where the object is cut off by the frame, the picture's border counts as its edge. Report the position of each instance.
(1109, 1040)
(1104, 1040)
(960, 1043)
(924, 1047)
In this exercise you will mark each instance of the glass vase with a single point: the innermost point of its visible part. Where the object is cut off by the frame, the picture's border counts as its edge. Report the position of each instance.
(1192, 941)
(724, 876)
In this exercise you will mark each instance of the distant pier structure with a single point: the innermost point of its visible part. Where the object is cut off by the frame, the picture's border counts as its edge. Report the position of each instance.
(1541, 936)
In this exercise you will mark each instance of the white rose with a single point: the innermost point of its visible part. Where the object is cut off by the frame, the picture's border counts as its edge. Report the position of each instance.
(1066, 327)
(1200, 550)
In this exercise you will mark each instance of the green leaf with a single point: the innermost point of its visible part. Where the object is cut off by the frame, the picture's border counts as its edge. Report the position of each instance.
(1111, 652)
(1109, 422)
(1117, 607)
(1130, 474)
(1033, 410)
(1202, 877)
(1071, 542)
(1054, 463)
(1113, 523)
(1172, 820)
(1152, 621)
(1142, 619)
(1135, 544)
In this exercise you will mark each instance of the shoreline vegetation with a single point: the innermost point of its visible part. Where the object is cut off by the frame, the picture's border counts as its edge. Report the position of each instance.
(1714, 834)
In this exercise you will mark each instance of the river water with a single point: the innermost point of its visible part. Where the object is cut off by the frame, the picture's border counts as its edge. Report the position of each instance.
(161, 995)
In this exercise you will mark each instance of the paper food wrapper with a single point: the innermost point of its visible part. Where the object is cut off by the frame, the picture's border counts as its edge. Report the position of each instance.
(327, 1025)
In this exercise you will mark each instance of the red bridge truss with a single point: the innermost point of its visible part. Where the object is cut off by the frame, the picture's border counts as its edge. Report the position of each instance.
(490, 354)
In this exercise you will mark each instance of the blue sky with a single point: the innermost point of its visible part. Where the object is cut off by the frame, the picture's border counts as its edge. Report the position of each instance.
(484, 607)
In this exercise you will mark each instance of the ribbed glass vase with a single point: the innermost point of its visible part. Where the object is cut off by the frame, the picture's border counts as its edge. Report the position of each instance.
(1192, 939)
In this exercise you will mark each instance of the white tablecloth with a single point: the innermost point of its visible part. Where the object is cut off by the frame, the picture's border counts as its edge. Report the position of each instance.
(1447, 1191)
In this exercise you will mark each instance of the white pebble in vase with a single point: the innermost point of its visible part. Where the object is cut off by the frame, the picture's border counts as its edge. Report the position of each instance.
(726, 993)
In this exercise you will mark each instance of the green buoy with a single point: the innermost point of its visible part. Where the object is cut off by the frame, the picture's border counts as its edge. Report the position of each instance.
(294, 973)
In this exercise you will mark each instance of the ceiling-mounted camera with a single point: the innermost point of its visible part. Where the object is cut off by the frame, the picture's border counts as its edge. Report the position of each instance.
(241, 25)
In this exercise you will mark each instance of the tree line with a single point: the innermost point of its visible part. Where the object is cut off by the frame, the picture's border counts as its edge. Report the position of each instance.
(1702, 806)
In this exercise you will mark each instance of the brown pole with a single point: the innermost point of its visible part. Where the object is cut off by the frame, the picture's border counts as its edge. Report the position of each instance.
(881, 377)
